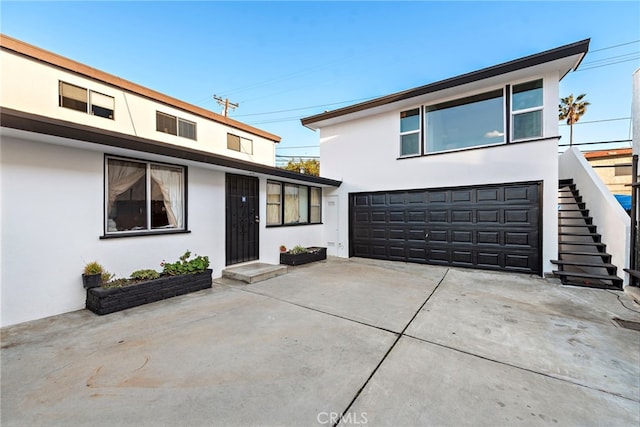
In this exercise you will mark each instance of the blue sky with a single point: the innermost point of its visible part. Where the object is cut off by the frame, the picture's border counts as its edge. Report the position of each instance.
(285, 60)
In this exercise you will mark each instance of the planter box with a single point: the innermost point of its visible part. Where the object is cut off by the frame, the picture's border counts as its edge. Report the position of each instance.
(109, 300)
(314, 254)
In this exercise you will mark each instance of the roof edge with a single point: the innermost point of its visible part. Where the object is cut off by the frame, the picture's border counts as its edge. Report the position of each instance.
(20, 120)
(580, 47)
(42, 55)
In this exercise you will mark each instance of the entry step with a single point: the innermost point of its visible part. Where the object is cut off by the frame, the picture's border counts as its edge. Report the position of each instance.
(252, 273)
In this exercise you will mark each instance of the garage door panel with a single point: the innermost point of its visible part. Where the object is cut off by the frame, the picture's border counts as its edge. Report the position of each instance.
(458, 196)
(493, 226)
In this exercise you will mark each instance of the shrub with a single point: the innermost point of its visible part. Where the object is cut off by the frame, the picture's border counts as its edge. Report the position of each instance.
(298, 250)
(145, 274)
(93, 268)
(186, 266)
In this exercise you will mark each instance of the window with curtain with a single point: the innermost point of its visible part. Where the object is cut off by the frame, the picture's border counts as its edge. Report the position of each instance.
(84, 100)
(274, 202)
(144, 196)
(293, 204)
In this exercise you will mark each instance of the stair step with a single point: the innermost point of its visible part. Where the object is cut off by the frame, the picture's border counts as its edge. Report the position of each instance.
(604, 255)
(565, 181)
(614, 279)
(588, 219)
(580, 234)
(589, 226)
(583, 263)
(595, 244)
(581, 205)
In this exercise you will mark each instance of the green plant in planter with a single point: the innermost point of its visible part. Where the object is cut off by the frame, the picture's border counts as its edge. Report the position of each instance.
(184, 265)
(298, 250)
(93, 268)
(145, 275)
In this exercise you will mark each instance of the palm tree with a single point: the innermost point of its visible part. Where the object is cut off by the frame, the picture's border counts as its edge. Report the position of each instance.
(572, 110)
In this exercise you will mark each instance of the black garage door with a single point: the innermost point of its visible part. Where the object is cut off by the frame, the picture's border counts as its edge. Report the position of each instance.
(492, 227)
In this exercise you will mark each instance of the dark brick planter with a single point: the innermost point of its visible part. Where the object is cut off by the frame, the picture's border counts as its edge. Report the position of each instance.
(315, 254)
(109, 300)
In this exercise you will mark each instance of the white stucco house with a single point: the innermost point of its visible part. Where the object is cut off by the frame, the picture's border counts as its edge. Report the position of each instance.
(94, 167)
(461, 172)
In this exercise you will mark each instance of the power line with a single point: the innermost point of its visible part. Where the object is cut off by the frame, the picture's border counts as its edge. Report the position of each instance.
(599, 121)
(618, 45)
(606, 65)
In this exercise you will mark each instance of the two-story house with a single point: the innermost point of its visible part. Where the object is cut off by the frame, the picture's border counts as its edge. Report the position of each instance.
(462, 172)
(94, 167)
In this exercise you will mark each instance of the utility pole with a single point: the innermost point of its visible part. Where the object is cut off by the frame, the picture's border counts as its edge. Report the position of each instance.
(225, 104)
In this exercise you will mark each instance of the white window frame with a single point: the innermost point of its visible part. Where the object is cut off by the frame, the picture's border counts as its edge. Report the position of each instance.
(411, 132)
(514, 113)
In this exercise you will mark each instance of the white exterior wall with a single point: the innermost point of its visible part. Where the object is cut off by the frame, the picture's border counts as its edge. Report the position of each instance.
(612, 221)
(363, 154)
(133, 115)
(51, 218)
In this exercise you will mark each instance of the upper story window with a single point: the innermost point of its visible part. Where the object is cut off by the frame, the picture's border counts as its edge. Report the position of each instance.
(238, 143)
(144, 196)
(410, 132)
(85, 100)
(293, 204)
(474, 121)
(526, 107)
(175, 125)
(468, 122)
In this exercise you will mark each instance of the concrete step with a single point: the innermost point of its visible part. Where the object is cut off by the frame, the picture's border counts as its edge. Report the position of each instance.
(255, 272)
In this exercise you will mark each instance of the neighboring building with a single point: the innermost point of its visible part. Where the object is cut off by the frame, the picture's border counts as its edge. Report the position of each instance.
(613, 167)
(461, 172)
(94, 167)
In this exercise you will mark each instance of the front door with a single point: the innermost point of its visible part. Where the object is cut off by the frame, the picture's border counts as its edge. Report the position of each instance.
(242, 219)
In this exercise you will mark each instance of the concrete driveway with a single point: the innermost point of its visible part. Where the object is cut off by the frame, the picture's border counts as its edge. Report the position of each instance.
(354, 342)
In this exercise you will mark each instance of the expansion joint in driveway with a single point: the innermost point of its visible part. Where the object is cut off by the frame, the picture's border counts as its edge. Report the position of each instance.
(398, 336)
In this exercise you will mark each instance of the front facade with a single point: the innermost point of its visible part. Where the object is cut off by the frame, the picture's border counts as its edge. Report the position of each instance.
(461, 172)
(97, 168)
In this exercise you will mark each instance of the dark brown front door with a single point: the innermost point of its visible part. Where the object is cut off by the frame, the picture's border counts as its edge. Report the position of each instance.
(242, 219)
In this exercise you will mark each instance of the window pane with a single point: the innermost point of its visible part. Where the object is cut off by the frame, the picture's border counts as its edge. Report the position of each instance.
(246, 145)
(303, 201)
(465, 123)
(622, 170)
(410, 120)
(73, 97)
(186, 129)
(527, 95)
(233, 142)
(410, 144)
(273, 203)
(102, 105)
(166, 123)
(316, 203)
(127, 195)
(291, 204)
(527, 125)
(167, 197)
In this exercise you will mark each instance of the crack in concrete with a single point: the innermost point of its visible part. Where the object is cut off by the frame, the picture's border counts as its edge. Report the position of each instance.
(346, 411)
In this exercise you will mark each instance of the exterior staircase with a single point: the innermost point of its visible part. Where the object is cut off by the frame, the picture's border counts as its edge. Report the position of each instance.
(583, 258)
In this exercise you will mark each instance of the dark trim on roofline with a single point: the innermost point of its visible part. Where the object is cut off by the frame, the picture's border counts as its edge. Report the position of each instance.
(580, 47)
(21, 120)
